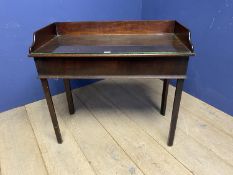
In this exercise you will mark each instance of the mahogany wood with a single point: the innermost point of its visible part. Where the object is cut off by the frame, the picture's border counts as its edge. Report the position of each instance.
(69, 96)
(53, 115)
(121, 38)
(164, 97)
(115, 27)
(113, 49)
(175, 111)
(110, 68)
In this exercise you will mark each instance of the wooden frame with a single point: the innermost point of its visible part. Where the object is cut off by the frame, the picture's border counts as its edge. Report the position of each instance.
(138, 49)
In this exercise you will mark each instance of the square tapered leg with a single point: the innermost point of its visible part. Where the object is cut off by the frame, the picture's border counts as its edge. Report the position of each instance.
(175, 111)
(51, 109)
(164, 97)
(69, 96)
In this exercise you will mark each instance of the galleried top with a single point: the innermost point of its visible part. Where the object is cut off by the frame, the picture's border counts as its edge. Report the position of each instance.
(108, 39)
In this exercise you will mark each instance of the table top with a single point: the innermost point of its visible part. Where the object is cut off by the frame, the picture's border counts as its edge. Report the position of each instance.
(103, 39)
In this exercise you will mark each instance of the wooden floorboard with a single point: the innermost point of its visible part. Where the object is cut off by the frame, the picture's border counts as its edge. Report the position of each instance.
(148, 118)
(66, 158)
(117, 129)
(194, 125)
(102, 152)
(19, 152)
(142, 149)
(200, 109)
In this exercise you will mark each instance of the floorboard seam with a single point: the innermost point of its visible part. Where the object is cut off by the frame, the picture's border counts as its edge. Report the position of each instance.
(93, 115)
(0, 167)
(76, 141)
(36, 140)
(172, 96)
(146, 132)
(217, 128)
(181, 129)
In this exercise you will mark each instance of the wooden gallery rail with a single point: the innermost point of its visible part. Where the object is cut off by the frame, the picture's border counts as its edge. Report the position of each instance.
(119, 49)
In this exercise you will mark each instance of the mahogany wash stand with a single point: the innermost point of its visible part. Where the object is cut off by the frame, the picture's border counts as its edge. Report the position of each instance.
(117, 49)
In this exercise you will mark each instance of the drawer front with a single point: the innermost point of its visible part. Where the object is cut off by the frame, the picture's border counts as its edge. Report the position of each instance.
(168, 67)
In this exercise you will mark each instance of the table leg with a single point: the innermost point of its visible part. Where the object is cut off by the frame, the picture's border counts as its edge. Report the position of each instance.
(164, 96)
(69, 96)
(51, 109)
(175, 111)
